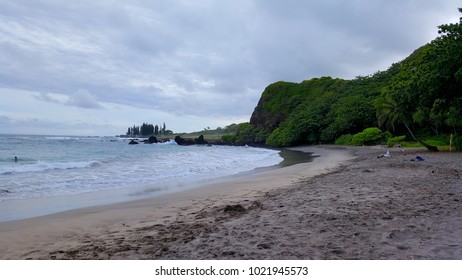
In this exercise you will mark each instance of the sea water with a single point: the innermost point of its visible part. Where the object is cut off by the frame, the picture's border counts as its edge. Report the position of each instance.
(73, 169)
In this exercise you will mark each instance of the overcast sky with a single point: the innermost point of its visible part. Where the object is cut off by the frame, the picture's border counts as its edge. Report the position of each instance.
(96, 67)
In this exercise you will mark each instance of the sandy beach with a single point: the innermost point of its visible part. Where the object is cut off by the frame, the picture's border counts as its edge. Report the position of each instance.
(347, 204)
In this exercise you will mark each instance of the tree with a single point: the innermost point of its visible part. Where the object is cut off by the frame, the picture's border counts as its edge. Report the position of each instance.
(147, 129)
(351, 115)
(447, 74)
(391, 113)
(156, 130)
(135, 130)
(426, 87)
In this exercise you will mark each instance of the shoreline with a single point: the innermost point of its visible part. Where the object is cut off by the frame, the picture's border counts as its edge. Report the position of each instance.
(19, 209)
(21, 237)
(352, 203)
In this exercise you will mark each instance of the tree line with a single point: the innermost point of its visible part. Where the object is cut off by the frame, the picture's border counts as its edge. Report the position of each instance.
(147, 129)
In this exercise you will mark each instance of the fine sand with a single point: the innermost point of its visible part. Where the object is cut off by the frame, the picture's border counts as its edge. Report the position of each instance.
(347, 204)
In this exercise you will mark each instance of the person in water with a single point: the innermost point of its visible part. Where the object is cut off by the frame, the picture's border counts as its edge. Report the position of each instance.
(15, 159)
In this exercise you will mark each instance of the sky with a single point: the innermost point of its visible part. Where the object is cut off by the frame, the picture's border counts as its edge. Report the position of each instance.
(92, 67)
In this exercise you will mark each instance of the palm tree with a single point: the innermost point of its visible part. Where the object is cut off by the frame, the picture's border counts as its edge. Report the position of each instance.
(390, 113)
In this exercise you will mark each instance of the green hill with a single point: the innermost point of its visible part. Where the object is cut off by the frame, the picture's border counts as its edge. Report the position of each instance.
(420, 96)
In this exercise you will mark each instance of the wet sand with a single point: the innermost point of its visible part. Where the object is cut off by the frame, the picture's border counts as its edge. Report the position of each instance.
(347, 204)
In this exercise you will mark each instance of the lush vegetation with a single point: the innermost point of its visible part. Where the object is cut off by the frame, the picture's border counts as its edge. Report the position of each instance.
(417, 98)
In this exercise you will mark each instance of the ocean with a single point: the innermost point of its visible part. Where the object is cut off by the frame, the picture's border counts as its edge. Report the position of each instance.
(60, 173)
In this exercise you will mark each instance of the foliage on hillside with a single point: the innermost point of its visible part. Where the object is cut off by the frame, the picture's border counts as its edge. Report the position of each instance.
(421, 95)
(318, 110)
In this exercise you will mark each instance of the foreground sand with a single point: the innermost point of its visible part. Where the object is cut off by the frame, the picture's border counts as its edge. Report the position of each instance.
(337, 207)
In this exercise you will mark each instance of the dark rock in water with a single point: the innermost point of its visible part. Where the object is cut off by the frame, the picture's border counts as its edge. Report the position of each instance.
(179, 140)
(186, 142)
(201, 140)
(183, 142)
(133, 142)
(151, 140)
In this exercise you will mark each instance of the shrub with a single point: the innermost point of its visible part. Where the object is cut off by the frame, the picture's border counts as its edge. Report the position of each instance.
(245, 134)
(392, 141)
(250, 134)
(369, 136)
(229, 138)
(260, 136)
(344, 139)
(457, 142)
(436, 143)
(411, 144)
(387, 135)
(279, 138)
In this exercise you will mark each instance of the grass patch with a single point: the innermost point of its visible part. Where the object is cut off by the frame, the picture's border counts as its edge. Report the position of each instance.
(411, 144)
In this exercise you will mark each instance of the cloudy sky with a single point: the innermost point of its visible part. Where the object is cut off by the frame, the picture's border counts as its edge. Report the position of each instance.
(96, 67)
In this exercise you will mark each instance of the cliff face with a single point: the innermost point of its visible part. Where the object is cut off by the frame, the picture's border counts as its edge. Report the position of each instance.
(274, 106)
(279, 100)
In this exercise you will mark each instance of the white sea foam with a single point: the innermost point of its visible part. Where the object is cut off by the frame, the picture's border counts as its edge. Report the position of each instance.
(48, 167)
(45, 166)
(62, 138)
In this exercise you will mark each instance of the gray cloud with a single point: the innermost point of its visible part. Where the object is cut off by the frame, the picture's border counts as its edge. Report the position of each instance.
(84, 99)
(81, 98)
(47, 97)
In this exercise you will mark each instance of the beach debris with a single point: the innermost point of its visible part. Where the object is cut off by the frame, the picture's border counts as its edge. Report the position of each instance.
(264, 245)
(418, 158)
(234, 209)
(256, 205)
(387, 155)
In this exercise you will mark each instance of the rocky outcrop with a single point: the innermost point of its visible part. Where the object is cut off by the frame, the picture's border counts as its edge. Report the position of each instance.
(201, 141)
(183, 142)
(186, 142)
(151, 140)
(133, 142)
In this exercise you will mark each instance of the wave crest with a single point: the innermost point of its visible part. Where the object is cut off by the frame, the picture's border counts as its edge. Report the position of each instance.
(45, 166)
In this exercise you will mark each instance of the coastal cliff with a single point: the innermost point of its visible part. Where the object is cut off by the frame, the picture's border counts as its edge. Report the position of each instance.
(417, 97)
